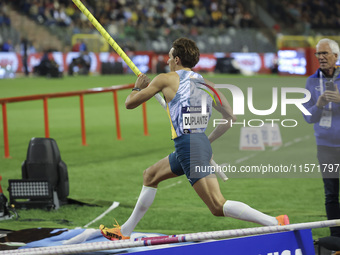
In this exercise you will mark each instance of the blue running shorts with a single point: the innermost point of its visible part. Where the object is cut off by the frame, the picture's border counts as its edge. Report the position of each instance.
(191, 156)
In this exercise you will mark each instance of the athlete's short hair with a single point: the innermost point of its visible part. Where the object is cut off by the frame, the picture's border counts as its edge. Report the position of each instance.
(187, 51)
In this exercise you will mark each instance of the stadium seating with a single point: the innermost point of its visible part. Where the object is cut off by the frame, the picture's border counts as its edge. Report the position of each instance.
(149, 25)
(162, 22)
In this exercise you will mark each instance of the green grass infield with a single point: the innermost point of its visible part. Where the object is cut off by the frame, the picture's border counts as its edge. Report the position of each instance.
(108, 169)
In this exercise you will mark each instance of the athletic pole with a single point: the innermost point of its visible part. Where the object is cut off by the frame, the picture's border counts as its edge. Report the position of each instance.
(113, 44)
(123, 244)
(113, 206)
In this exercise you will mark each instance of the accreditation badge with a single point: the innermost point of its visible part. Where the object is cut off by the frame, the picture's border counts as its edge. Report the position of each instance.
(326, 119)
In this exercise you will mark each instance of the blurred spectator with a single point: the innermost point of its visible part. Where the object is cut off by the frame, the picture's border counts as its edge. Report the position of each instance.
(4, 19)
(47, 67)
(80, 65)
(32, 46)
(69, 10)
(60, 16)
(7, 46)
(82, 46)
(24, 51)
(293, 9)
(216, 14)
(79, 46)
(161, 64)
(246, 20)
(76, 46)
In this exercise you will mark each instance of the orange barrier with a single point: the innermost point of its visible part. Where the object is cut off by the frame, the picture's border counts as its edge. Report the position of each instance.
(81, 93)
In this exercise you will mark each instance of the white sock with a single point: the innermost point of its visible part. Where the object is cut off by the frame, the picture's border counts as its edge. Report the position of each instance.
(241, 211)
(145, 200)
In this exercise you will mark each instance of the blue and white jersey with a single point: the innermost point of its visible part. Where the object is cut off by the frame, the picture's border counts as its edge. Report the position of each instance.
(190, 110)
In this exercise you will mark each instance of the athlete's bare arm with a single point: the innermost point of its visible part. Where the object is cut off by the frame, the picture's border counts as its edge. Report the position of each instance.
(136, 98)
(226, 112)
(167, 83)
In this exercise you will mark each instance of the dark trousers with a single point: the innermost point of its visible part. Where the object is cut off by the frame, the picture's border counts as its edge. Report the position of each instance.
(330, 157)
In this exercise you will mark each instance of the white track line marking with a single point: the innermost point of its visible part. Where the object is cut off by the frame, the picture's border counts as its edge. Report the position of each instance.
(237, 161)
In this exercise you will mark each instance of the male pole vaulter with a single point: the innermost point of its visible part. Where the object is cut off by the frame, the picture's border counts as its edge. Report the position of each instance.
(185, 92)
